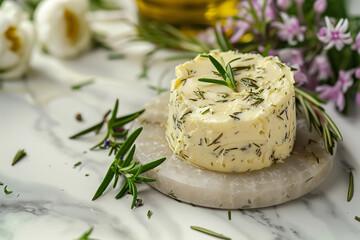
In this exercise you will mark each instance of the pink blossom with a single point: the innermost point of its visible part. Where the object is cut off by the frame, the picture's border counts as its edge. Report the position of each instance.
(291, 56)
(332, 93)
(336, 92)
(321, 67)
(238, 28)
(335, 36)
(320, 6)
(294, 58)
(356, 45)
(283, 4)
(208, 36)
(289, 29)
(357, 73)
(345, 79)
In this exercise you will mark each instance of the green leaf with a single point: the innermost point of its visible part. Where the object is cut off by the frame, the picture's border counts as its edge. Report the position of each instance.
(82, 84)
(128, 143)
(148, 166)
(216, 81)
(218, 67)
(105, 183)
(123, 190)
(7, 191)
(90, 129)
(209, 232)
(129, 157)
(19, 155)
(126, 119)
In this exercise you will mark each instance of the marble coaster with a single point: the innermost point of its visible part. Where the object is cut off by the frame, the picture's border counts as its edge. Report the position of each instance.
(297, 175)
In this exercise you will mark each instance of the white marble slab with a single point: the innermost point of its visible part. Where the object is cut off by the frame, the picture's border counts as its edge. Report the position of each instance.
(52, 200)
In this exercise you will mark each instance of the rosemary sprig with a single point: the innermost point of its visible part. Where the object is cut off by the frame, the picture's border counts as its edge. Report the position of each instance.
(82, 84)
(19, 155)
(315, 116)
(127, 168)
(351, 187)
(113, 124)
(226, 73)
(209, 232)
(86, 235)
(167, 36)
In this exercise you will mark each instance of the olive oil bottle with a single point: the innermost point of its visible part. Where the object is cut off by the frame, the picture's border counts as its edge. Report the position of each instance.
(187, 13)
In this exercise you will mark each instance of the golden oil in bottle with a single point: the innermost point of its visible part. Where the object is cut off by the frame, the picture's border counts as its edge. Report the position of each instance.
(187, 13)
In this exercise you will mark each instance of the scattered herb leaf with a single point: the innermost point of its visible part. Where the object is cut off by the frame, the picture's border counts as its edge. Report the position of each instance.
(82, 84)
(149, 214)
(209, 232)
(116, 56)
(351, 187)
(7, 191)
(229, 214)
(357, 218)
(77, 164)
(19, 155)
(86, 235)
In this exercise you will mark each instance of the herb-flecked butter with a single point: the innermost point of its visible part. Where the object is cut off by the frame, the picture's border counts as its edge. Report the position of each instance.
(219, 129)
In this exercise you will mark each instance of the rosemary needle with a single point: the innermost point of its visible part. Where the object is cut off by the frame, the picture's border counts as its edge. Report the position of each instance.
(357, 218)
(209, 232)
(77, 164)
(86, 235)
(19, 155)
(7, 191)
(351, 187)
(229, 214)
(82, 84)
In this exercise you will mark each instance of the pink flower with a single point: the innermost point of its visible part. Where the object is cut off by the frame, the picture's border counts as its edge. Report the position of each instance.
(289, 29)
(336, 93)
(357, 73)
(208, 36)
(356, 45)
(332, 93)
(345, 79)
(321, 67)
(238, 28)
(335, 36)
(294, 58)
(283, 4)
(320, 6)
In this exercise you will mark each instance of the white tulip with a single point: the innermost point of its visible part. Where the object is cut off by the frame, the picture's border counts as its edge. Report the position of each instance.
(17, 37)
(62, 28)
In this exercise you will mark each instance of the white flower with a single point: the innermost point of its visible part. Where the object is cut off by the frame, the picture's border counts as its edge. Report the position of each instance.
(17, 36)
(335, 36)
(62, 28)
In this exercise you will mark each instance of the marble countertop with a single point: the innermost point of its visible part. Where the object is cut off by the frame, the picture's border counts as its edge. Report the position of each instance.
(52, 200)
